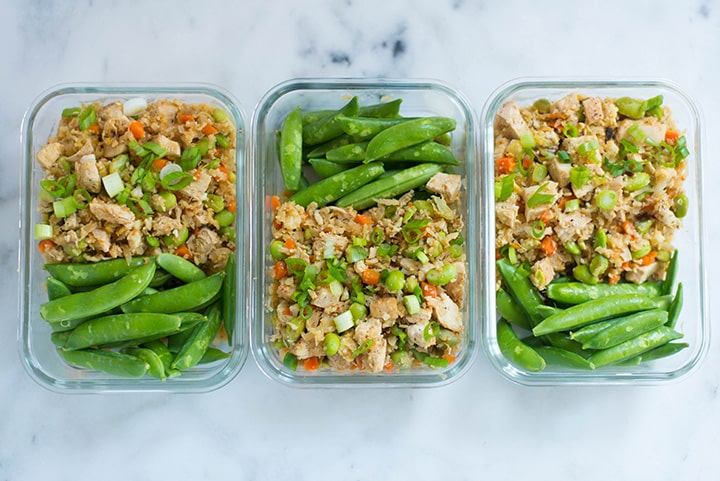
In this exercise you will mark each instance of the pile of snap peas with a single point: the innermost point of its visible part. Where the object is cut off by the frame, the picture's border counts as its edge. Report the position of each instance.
(155, 316)
(349, 149)
(586, 326)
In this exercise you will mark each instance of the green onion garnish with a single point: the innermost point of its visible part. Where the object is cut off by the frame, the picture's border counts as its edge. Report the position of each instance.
(87, 117)
(570, 130)
(563, 156)
(538, 229)
(606, 199)
(539, 198)
(71, 112)
(176, 180)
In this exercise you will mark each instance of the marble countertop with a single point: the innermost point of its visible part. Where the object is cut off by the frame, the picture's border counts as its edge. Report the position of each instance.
(479, 427)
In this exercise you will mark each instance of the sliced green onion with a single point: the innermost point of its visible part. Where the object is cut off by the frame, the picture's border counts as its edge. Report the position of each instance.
(64, 207)
(504, 188)
(653, 102)
(570, 130)
(512, 255)
(119, 163)
(343, 321)
(606, 199)
(71, 112)
(643, 227)
(82, 198)
(527, 140)
(436, 361)
(155, 149)
(637, 181)
(364, 347)
(587, 147)
(539, 173)
(377, 236)
(113, 184)
(420, 256)
(629, 107)
(335, 287)
(296, 266)
(431, 330)
(579, 176)
(636, 133)
(409, 212)
(52, 188)
(642, 252)
(43, 231)
(176, 180)
(359, 241)
(135, 106)
(563, 156)
(538, 229)
(355, 254)
(441, 208)
(290, 361)
(600, 240)
(87, 117)
(190, 158)
(539, 198)
(412, 304)
(572, 205)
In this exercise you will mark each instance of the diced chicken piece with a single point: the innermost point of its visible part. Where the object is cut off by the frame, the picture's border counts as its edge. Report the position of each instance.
(88, 176)
(446, 311)
(198, 187)
(111, 111)
(385, 308)
(534, 213)
(571, 144)
(567, 108)
(546, 138)
(559, 172)
(410, 265)
(164, 225)
(218, 258)
(202, 243)
(542, 272)
(166, 110)
(134, 239)
(593, 111)
(509, 121)
(86, 149)
(111, 213)
(49, 154)
(456, 289)
(172, 147)
(652, 127)
(507, 211)
(332, 243)
(574, 226)
(286, 287)
(305, 348)
(447, 185)
(323, 298)
(423, 316)
(347, 346)
(663, 177)
(371, 330)
(290, 215)
(99, 239)
(641, 274)
(416, 335)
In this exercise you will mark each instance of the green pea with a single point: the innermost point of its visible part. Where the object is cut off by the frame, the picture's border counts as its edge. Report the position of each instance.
(169, 200)
(331, 343)
(228, 232)
(225, 218)
(214, 202)
(176, 239)
(276, 251)
(542, 105)
(681, 206)
(358, 311)
(598, 265)
(219, 115)
(582, 273)
(395, 281)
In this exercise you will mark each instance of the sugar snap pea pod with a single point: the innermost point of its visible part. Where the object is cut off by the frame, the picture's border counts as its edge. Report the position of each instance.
(671, 274)
(155, 365)
(516, 351)
(426, 152)
(578, 292)
(160, 278)
(308, 117)
(166, 357)
(197, 344)
(60, 338)
(627, 327)
(325, 168)
(322, 149)
(593, 311)
(100, 299)
(180, 267)
(121, 327)
(522, 290)
(547, 311)
(444, 139)
(365, 127)
(387, 109)
(406, 134)
(347, 154)
(213, 355)
(228, 298)
(93, 273)
(187, 297)
(177, 341)
(561, 357)
(189, 319)
(562, 341)
(635, 346)
(111, 362)
(510, 310)
(64, 326)
(589, 331)
(675, 306)
(328, 127)
(389, 187)
(631, 361)
(56, 288)
(332, 188)
(291, 140)
(664, 351)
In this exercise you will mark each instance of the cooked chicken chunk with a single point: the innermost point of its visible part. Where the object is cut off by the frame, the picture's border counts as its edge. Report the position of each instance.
(111, 213)
(88, 176)
(509, 120)
(447, 185)
(446, 311)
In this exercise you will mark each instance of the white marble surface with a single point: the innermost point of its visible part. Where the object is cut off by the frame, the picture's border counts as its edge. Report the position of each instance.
(480, 427)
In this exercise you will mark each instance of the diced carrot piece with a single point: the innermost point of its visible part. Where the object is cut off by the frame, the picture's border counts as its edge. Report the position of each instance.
(548, 245)
(625, 265)
(209, 130)
(428, 289)
(648, 259)
(186, 118)
(275, 202)
(671, 136)
(546, 216)
(389, 366)
(527, 162)
(450, 358)
(363, 219)
(289, 243)
(311, 363)
(279, 270)
(505, 165)
(137, 129)
(613, 278)
(231, 205)
(370, 276)
(629, 228)
(94, 128)
(183, 251)
(160, 163)
(45, 245)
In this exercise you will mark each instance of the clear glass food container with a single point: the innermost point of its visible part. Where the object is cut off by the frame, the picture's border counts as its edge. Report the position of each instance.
(694, 318)
(39, 355)
(419, 98)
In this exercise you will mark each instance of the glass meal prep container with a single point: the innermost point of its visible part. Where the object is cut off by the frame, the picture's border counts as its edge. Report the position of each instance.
(40, 356)
(419, 98)
(693, 321)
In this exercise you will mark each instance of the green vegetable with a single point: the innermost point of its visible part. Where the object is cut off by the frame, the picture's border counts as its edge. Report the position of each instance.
(516, 351)
(291, 140)
(111, 362)
(406, 134)
(186, 297)
(334, 187)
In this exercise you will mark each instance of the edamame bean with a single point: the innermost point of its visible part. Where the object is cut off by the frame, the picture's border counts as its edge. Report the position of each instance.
(338, 185)
(111, 362)
(188, 297)
(180, 267)
(94, 273)
(121, 327)
(516, 351)
(101, 299)
(635, 346)
(331, 343)
(406, 134)
(291, 140)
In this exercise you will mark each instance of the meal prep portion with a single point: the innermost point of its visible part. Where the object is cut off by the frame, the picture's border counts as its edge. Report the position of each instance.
(589, 194)
(137, 211)
(368, 265)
